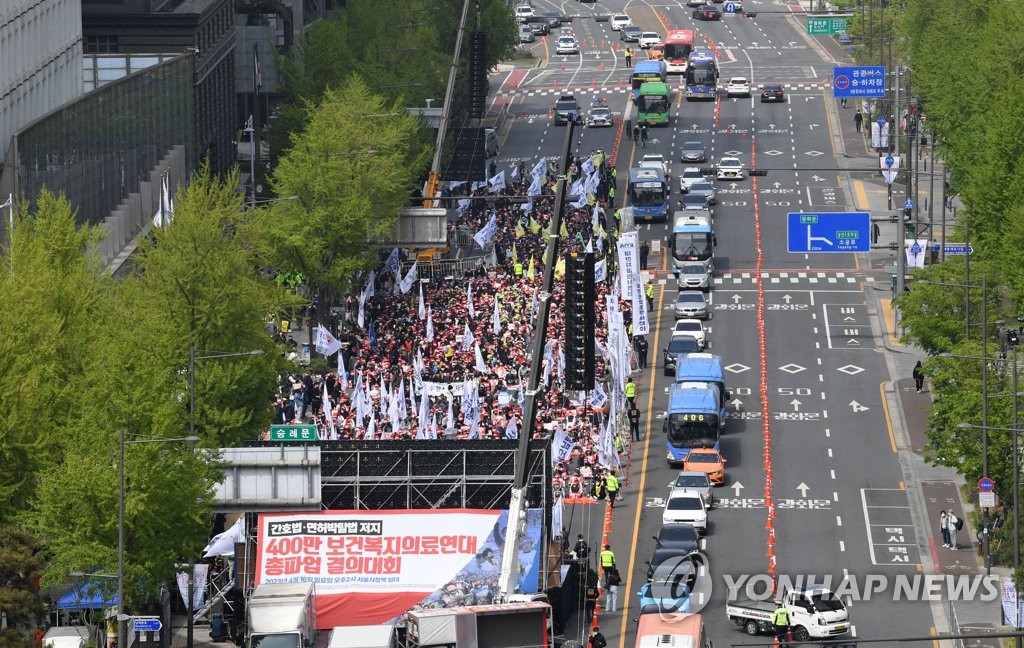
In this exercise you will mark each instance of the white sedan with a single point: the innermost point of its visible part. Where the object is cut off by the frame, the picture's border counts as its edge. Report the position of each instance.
(730, 168)
(648, 40)
(690, 177)
(619, 21)
(693, 328)
(567, 45)
(738, 87)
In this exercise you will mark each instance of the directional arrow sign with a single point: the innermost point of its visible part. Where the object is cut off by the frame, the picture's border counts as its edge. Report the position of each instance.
(787, 298)
(803, 488)
(857, 407)
(796, 405)
(776, 184)
(147, 625)
(817, 178)
(736, 403)
(812, 126)
(829, 232)
(736, 299)
(737, 487)
(954, 248)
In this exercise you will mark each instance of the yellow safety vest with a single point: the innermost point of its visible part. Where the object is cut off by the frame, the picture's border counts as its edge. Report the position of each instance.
(630, 390)
(607, 558)
(611, 483)
(780, 617)
(650, 291)
(518, 269)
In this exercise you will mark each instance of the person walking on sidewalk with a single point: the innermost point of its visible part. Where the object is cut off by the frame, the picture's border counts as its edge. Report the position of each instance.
(955, 524)
(919, 377)
(944, 529)
(858, 119)
(842, 102)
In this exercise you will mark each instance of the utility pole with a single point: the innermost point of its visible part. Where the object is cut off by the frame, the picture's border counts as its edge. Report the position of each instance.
(894, 128)
(942, 253)
(984, 420)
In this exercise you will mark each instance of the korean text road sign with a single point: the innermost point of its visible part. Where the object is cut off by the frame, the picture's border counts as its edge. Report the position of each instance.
(293, 433)
(861, 81)
(825, 25)
(829, 232)
(953, 249)
(146, 625)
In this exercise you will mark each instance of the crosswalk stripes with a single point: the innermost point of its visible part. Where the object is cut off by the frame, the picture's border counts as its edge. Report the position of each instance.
(775, 278)
(583, 90)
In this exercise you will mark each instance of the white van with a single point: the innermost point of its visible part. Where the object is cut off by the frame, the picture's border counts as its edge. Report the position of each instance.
(524, 12)
(378, 636)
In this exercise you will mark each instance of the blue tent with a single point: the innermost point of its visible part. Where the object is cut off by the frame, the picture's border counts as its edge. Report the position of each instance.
(87, 595)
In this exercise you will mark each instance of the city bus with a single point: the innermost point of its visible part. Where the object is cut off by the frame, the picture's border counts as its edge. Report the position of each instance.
(694, 420)
(671, 629)
(652, 104)
(692, 239)
(648, 71)
(648, 193)
(676, 50)
(702, 75)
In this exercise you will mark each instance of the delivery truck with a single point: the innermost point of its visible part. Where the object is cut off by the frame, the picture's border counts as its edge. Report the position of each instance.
(282, 615)
(504, 625)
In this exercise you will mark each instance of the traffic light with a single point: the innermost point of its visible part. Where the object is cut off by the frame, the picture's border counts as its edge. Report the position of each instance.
(478, 74)
(580, 321)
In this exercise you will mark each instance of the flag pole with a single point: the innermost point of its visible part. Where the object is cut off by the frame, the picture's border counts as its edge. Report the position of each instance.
(257, 78)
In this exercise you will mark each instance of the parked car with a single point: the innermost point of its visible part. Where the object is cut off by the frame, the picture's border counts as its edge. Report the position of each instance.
(665, 556)
(665, 596)
(709, 462)
(566, 106)
(694, 202)
(689, 177)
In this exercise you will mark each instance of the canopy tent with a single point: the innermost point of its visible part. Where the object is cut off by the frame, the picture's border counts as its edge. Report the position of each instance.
(87, 595)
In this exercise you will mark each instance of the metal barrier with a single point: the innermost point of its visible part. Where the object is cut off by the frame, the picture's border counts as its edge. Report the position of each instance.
(439, 269)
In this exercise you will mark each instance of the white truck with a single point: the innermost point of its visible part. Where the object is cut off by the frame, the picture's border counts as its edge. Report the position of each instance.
(501, 625)
(282, 615)
(814, 613)
(370, 636)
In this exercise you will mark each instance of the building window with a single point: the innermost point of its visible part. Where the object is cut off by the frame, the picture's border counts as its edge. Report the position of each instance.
(100, 44)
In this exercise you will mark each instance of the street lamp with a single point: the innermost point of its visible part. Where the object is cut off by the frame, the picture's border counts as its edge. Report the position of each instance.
(192, 357)
(120, 516)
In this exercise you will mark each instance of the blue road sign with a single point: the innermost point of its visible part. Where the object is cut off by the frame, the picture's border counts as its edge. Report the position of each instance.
(829, 232)
(889, 161)
(954, 248)
(147, 625)
(986, 485)
(859, 81)
(729, 7)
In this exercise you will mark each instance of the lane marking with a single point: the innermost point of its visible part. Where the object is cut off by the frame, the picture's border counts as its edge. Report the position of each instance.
(839, 521)
(842, 546)
(888, 420)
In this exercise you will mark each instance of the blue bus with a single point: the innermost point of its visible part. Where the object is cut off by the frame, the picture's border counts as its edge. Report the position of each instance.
(648, 193)
(695, 419)
(702, 368)
(648, 72)
(702, 75)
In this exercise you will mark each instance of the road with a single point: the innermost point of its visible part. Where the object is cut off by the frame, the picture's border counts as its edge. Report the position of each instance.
(826, 498)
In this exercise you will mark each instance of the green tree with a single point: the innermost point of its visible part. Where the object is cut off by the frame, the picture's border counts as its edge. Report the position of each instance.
(353, 168)
(21, 563)
(51, 296)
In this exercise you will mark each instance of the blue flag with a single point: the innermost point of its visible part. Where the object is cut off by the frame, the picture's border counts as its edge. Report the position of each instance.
(373, 336)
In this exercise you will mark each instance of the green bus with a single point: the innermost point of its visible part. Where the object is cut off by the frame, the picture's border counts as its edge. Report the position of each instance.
(652, 103)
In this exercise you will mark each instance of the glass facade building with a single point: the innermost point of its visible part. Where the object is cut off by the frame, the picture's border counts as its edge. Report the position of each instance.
(98, 149)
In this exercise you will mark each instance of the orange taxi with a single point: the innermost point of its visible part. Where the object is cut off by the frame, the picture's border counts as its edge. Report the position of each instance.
(708, 461)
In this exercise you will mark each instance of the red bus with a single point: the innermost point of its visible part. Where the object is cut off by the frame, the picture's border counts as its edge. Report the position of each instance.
(676, 49)
(675, 629)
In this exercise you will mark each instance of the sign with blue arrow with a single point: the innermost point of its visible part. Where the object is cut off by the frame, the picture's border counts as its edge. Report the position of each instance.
(828, 232)
(147, 625)
(729, 7)
(953, 248)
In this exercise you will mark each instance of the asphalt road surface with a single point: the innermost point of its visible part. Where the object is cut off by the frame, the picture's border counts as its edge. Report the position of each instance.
(836, 490)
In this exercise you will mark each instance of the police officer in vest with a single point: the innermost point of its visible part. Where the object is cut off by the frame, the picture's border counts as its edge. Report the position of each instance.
(650, 295)
(607, 562)
(517, 269)
(631, 391)
(634, 422)
(780, 619)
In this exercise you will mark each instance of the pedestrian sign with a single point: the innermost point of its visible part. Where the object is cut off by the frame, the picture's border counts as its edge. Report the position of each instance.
(826, 25)
(859, 81)
(293, 433)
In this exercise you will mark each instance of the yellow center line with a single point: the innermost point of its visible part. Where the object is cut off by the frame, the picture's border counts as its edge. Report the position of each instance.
(888, 420)
(643, 471)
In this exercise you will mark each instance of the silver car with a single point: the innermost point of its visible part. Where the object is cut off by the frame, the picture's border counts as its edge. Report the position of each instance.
(690, 481)
(694, 276)
(692, 305)
(703, 188)
(693, 152)
(694, 202)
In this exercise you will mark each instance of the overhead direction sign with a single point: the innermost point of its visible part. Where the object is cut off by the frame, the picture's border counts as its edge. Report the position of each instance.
(859, 81)
(293, 433)
(825, 25)
(953, 248)
(828, 232)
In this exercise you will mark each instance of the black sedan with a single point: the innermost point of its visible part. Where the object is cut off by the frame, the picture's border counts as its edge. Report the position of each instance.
(772, 92)
(678, 535)
(673, 564)
(707, 12)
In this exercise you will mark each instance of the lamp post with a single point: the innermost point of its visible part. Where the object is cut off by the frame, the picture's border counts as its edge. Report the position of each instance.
(120, 517)
(192, 357)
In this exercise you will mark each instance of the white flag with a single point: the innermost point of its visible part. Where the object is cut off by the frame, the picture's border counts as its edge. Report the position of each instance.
(368, 289)
(410, 278)
(371, 430)
(497, 182)
(497, 316)
(326, 344)
(223, 544)
(556, 516)
(422, 310)
(479, 361)
(430, 325)
(361, 320)
(512, 432)
(342, 370)
(600, 271)
(403, 412)
(394, 414)
(561, 446)
(469, 300)
(535, 188)
(467, 338)
(515, 173)
(432, 432)
(540, 169)
(329, 414)
(450, 425)
(392, 263)
(424, 413)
